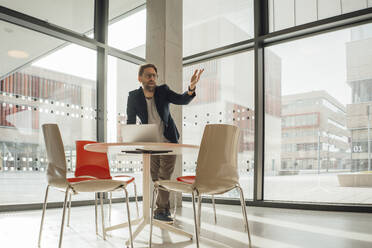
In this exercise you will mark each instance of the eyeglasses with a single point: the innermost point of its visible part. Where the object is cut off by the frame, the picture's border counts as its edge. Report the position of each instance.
(150, 75)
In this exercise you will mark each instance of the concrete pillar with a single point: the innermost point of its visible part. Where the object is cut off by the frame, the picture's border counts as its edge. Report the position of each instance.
(164, 50)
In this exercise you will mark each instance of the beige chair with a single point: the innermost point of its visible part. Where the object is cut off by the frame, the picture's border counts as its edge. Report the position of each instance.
(216, 172)
(56, 175)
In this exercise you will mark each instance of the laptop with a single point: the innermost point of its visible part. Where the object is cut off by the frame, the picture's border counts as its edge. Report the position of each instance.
(140, 133)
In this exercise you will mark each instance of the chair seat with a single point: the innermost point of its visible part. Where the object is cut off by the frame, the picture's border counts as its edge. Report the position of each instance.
(126, 178)
(172, 185)
(97, 185)
(179, 186)
(186, 179)
(79, 179)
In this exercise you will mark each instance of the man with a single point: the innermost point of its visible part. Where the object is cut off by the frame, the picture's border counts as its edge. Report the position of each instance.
(151, 104)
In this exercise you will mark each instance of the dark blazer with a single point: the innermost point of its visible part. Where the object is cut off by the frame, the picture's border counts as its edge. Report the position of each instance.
(137, 106)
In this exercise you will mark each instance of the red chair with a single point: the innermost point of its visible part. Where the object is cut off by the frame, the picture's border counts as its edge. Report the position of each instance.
(191, 180)
(95, 165)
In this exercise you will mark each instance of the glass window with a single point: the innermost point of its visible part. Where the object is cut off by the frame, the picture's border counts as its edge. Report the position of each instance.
(122, 77)
(77, 16)
(209, 24)
(225, 94)
(127, 28)
(288, 13)
(41, 82)
(328, 67)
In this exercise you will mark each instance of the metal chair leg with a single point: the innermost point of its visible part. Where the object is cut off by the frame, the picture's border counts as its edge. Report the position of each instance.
(95, 212)
(102, 216)
(154, 197)
(244, 210)
(63, 218)
(43, 215)
(214, 210)
(200, 198)
(195, 222)
(69, 210)
(135, 196)
(110, 202)
(175, 207)
(128, 213)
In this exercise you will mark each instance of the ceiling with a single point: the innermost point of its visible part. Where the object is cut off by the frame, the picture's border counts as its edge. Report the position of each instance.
(71, 14)
(78, 16)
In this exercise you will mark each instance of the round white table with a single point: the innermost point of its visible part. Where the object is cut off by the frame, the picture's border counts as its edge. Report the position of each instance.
(144, 149)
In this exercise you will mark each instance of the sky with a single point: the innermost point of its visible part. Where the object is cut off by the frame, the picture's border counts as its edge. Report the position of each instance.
(316, 63)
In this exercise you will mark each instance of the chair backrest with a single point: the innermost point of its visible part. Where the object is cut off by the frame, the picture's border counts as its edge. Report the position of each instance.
(217, 166)
(56, 172)
(93, 164)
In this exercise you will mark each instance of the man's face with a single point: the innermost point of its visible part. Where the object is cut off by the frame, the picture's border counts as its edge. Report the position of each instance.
(148, 79)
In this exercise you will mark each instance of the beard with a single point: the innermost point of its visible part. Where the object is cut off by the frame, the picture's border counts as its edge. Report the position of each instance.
(148, 87)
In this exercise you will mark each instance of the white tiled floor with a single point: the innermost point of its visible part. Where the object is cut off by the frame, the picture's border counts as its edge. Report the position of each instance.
(269, 228)
(20, 187)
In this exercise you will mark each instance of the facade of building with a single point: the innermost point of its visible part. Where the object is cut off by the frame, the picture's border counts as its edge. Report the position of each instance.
(314, 133)
(359, 78)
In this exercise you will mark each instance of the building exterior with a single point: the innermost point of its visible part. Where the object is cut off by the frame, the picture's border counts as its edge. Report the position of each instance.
(314, 133)
(359, 78)
(34, 96)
